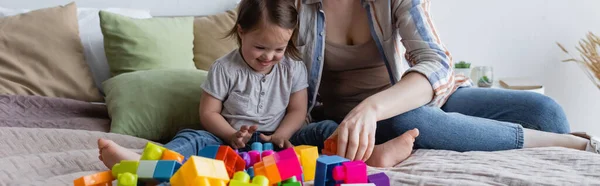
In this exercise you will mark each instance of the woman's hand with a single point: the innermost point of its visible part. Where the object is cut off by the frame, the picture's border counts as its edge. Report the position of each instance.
(356, 134)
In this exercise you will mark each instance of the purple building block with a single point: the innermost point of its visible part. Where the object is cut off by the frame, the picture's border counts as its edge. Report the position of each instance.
(379, 179)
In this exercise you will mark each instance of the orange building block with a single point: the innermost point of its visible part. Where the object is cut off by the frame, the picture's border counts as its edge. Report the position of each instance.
(99, 179)
(201, 171)
(233, 161)
(308, 156)
(172, 155)
(330, 147)
(268, 168)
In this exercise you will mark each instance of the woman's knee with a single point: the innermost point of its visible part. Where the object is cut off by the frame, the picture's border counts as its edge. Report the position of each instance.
(548, 114)
(422, 118)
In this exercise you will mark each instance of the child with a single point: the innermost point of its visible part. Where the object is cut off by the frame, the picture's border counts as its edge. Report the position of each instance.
(256, 93)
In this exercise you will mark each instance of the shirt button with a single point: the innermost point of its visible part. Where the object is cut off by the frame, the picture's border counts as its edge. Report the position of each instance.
(260, 106)
(262, 93)
(320, 58)
(322, 33)
(264, 80)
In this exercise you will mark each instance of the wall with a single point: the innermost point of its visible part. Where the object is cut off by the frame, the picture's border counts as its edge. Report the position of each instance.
(518, 38)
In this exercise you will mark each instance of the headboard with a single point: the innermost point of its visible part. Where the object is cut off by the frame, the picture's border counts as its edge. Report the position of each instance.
(156, 7)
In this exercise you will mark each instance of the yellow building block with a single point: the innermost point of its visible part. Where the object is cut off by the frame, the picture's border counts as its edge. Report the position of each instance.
(200, 171)
(308, 156)
(152, 152)
(243, 179)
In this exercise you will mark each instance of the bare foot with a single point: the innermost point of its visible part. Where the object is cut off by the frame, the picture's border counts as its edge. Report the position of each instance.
(394, 151)
(111, 153)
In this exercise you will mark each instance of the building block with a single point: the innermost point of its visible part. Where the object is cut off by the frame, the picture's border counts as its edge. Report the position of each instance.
(209, 151)
(257, 146)
(291, 182)
(243, 179)
(246, 158)
(330, 147)
(125, 166)
(165, 170)
(324, 169)
(172, 155)
(152, 152)
(146, 169)
(254, 157)
(357, 184)
(379, 179)
(233, 162)
(127, 179)
(250, 172)
(267, 153)
(99, 179)
(268, 168)
(308, 159)
(268, 146)
(351, 172)
(288, 163)
(201, 171)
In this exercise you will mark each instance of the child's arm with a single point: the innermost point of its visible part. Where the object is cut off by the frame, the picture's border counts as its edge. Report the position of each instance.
(213, 122)
(292, 121)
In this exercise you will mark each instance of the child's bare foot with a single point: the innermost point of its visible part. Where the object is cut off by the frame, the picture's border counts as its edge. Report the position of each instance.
(394, 151)
(111, 153)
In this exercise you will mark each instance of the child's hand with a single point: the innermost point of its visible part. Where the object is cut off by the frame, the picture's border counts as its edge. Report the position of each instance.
(279, 141)
(241, 137)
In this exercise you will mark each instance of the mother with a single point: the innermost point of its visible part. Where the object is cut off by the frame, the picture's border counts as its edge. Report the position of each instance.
(380, 70)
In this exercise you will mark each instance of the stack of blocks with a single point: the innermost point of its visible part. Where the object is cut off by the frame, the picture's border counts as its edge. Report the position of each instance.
(335, 170)
(201, 171)
(280, 166)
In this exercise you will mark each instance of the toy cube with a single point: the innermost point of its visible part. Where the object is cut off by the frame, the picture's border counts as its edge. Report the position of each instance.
(146, 169)
(291, 182)
(330, 147)
(246, 158)
(201, 171)
(152, 152)
(267, 153)
(268, 146)
(98, 179)
(209, 151)
(288, 163)
(254, 157)
(324, 169)
(125, 166)
(165, 170)
(250, 172)
(233, 162)
(351, 172)
(268, 168)
(379, 179)
(172, 155)
(308, 159)
(257, 146)
(243, 179)
(127, 179)
(357, 184)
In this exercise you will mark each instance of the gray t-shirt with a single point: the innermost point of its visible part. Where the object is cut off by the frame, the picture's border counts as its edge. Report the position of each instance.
(250, 97)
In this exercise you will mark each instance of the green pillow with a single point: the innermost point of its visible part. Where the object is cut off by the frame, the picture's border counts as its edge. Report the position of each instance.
(134, 44)
(154, 104)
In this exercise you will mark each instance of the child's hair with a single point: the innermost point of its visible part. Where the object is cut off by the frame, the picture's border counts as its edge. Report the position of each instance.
(253, 13)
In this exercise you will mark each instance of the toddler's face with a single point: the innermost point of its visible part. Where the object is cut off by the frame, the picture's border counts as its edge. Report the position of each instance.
(264, 47)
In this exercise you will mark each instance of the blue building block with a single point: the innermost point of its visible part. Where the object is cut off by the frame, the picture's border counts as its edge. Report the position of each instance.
(257, 146)
(209, 151)
(165, 170)
(250, 172)
(268, 146)
(324, 169)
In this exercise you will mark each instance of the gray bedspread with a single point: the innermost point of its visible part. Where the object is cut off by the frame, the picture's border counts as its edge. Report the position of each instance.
(39, 146)
(45, 112)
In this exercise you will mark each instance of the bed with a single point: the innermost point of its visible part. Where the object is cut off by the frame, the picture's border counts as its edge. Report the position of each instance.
(52, 140)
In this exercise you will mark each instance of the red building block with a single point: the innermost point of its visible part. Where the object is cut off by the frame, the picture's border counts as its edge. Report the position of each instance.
(351, 172)
(330, 147)
(233, 161)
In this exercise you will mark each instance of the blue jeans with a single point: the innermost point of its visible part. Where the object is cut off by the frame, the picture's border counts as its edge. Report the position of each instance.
(189, 142)
(478, 119)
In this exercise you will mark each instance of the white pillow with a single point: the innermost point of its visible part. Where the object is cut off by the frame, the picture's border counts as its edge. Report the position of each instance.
(91, 37)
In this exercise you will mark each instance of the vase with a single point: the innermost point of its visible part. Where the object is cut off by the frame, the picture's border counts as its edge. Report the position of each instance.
(483, 76)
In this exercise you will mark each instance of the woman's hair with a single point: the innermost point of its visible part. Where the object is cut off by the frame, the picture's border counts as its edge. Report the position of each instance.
(255, 13)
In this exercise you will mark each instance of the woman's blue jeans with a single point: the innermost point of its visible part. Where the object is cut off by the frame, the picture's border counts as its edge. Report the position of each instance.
(478, 119)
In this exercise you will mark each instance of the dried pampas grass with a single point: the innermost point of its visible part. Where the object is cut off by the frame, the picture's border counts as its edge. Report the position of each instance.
(590, 60)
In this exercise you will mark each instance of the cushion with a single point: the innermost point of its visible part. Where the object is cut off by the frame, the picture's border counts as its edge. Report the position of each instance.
(91, 37)
(154, 104)
(141, 44)
(41, 54)
(93, 41)
(210, 42)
